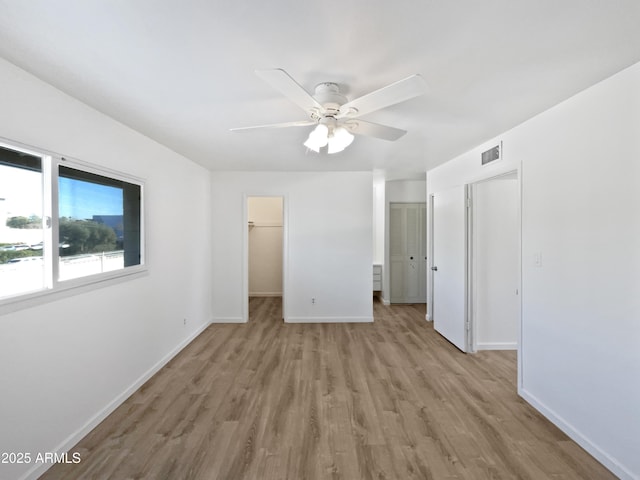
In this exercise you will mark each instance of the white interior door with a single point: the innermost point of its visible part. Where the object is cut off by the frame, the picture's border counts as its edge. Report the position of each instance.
(407, 234)
(422, 254)
(450, 265)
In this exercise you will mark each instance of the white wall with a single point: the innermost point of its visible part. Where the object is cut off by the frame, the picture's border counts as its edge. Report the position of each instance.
(328, 248)
(401, 191)
(407, 191)
(579, 355)
(66, 364)
(378, 222)
(265, 246)
(496, 245)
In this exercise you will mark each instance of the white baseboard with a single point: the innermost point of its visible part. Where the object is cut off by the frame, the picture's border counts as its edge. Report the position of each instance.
(386, 302)
(329, 320)
(265, 294)
(93, 422)
(228, 320)
(607, 460)
(497, 346)
(427, 317)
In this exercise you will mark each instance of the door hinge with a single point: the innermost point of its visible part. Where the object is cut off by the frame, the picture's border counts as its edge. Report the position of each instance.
(468, 202)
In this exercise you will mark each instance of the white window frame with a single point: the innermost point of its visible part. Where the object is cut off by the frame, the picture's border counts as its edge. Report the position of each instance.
(54, 288)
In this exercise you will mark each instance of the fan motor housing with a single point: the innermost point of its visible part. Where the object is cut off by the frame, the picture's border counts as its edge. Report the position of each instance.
(328, 95)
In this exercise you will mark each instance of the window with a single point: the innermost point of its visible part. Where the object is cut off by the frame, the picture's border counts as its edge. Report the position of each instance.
(21, 224)
(98, 223)
(64, 223)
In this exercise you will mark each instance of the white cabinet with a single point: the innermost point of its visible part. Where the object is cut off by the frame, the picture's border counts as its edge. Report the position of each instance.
(377, 278)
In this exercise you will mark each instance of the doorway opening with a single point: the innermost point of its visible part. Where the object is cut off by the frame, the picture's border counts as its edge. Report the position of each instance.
(494, 279)
(474, 274)
(265, 252)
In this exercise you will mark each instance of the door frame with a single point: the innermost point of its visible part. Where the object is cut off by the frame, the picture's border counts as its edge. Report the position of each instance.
(245, 252)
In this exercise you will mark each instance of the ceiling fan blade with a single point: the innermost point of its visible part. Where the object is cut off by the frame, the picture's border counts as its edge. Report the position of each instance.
(302, 123)
(360, 127)
(397, 92)
(286, 85)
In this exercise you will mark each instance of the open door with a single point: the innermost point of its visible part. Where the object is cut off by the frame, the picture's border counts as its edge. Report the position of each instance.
(450, 265)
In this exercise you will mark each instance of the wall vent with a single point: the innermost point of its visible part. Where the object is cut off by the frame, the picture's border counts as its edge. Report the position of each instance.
(491, 155)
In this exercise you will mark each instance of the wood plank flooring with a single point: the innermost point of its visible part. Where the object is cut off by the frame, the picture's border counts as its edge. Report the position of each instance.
(388, 400)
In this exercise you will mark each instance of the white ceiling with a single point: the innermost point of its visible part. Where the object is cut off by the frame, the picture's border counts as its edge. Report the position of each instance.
(182, 72)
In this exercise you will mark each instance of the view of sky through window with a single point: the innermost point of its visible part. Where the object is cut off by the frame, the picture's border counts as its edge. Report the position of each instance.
(82, 200)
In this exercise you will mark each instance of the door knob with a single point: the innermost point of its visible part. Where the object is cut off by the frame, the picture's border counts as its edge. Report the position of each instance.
(435, 269)
(410, 258)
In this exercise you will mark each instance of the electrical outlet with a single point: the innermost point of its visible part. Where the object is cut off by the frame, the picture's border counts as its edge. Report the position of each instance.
(184, 322)
(313, 300)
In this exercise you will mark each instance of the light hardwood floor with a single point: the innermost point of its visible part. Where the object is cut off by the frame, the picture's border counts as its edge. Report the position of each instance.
(388, 400)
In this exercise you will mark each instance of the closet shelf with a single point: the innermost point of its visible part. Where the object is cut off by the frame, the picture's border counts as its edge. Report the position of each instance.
(265, 224)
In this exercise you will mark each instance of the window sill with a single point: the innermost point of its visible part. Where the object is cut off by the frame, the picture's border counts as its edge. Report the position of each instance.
(71, 287)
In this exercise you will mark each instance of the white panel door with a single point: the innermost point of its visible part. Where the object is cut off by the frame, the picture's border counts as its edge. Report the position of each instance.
(412, 248)
(422, 253)
(407, 252)
(450, 265)
(397, 252)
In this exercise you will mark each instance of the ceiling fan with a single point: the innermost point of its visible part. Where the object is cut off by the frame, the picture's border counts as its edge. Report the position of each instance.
(337, 119)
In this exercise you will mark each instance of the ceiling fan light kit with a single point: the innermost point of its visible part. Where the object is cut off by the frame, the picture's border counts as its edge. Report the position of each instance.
(329, 134)
(340, 140)
(318, 138)
(333, 114)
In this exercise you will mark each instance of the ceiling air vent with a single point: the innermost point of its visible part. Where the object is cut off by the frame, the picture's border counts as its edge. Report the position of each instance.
(491, 155)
